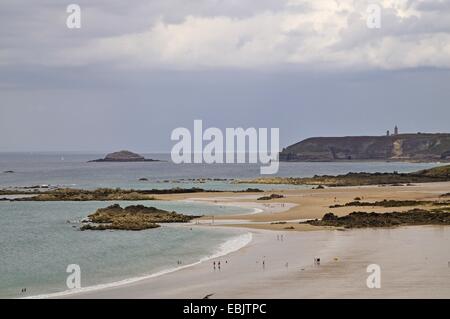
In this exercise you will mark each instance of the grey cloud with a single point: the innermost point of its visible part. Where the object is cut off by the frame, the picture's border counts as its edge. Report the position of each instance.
(81, 90)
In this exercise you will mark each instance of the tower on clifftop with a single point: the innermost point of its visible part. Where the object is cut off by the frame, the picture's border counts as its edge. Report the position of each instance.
(396, 130)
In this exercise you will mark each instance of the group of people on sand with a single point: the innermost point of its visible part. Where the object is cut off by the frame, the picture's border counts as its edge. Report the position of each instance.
(263, 262)
(217, 264)
(274, 205)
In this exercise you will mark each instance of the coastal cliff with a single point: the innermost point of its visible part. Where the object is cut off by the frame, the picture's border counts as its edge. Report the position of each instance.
(400, 147)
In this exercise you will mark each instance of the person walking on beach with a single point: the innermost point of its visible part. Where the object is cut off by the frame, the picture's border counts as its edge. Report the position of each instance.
(219, 265)
(214, 265)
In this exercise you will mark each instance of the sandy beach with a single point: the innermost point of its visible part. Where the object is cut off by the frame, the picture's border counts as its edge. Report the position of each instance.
(413, 261)
(279, 263)
(304, 204)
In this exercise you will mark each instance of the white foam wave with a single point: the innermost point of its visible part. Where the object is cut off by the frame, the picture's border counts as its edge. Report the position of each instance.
(229, 246)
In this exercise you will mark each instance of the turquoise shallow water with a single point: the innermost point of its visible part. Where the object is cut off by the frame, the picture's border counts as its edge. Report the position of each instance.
(37, 243)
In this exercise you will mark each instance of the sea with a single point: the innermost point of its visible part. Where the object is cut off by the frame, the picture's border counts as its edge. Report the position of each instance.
(39, 240)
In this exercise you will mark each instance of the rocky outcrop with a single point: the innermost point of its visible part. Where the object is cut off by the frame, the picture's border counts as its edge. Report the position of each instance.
(272, 196)
(401, 147)
(436, 174)
(136, 217)
(104, 194)
(80, 195)
(392, 203)
(124, 156)
(365, 220)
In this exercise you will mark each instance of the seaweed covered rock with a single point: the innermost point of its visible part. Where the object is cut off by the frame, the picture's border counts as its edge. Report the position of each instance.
(364, 220)
(272, 196)
(136, 217)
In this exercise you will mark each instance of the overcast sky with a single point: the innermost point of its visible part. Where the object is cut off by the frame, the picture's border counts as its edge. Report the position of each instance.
(136, 70)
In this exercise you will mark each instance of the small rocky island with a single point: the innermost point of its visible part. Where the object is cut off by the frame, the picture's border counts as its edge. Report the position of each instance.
(136, 217)
(124, 156)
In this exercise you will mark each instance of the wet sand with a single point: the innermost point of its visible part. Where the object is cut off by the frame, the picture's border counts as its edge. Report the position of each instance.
(413, 261)
(304, 204)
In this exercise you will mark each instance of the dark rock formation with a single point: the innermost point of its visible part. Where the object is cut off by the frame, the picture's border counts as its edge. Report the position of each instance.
(364, 220)
(401, 147)
(272, 196)
(124, 156)
(100, 194)
(104, 194)
(390, 203)
(136, 217)
(249, 190)
(436, 174)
